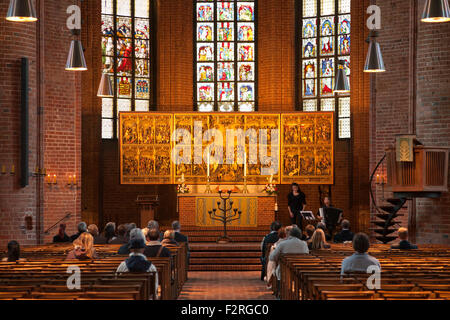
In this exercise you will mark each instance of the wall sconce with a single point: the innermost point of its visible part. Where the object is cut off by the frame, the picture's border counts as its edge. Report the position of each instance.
(39, 172)
(51, 180)
(72, 181)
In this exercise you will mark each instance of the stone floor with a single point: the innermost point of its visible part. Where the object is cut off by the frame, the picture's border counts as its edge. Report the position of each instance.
(224, 285)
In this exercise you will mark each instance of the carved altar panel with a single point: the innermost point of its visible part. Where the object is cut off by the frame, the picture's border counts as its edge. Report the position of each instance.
(145, 148)
(307, 148)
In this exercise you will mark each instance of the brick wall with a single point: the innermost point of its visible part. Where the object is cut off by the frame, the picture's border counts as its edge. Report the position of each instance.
(413, 97)
(54, 123)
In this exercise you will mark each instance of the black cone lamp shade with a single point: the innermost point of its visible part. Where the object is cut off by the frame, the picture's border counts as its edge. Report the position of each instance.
(436, 11)
(105, 89)
(374, 59)
(75, 60)
(341, 85)
(21, 11)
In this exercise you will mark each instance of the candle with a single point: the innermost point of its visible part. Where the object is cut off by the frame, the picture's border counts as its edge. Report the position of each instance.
(74, 179)
(208, 165)
(48, 178)
(3, 169)
(70, 180)
(276, 206)
(13, 169)
(36, 170)
(245, 164)
(378, 178)
(54, 178)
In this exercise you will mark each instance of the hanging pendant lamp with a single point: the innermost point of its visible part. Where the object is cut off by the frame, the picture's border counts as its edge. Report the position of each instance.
(374, 59)
(105, 89)
(341, 84)
(21, 11)
(436, 11)
(76, 60)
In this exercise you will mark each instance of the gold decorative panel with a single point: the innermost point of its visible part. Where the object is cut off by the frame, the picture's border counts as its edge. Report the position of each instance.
(149, 141)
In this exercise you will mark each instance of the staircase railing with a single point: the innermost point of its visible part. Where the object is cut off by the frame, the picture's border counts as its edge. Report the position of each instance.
(374, 202)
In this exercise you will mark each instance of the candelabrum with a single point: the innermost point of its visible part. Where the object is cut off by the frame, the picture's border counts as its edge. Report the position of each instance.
(225, 215)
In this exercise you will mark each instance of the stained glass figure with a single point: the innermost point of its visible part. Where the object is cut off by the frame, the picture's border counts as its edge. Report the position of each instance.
(225, 55)
(126, 57)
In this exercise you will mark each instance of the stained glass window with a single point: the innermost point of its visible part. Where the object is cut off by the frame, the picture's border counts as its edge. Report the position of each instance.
(127, 59)
(225, 56)
(324, 41)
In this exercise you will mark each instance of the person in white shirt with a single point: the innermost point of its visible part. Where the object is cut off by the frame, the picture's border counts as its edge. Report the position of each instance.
(360, 260)
(292, 244)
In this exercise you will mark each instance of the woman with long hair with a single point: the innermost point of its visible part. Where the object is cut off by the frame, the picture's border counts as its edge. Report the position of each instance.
(318, 240)
(83, 248)
(296, 203)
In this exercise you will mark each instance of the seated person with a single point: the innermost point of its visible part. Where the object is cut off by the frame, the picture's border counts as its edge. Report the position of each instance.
(13, 252)
(345, 234)
(153, 224)
(121, 235)
(137, 262)
(404, 244)
(134, 233)
(318, 241)
(98, 238)
(154, 247)
(179, 237)
(272, 237)
(82, 227)
(130, 226)
(110, 232)
(83, 248)
(169, 239)
(62, 235)
(271, 264)
(326, 204)
(360, 260)
(293, 244)
(322, 226)
(309, 232)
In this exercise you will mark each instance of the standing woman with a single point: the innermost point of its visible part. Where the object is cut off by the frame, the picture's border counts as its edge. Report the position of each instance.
(296, 203)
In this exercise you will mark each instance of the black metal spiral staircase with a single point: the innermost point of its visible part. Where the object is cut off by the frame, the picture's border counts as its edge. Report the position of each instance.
(385, 223)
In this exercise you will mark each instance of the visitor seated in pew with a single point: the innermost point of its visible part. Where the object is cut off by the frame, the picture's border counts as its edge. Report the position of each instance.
(154, 247)
(153, 224)
(309, 230)
(322, 226)
(110, 232)
(83, 248)
(360, 260)
(62, 235)
(272, 237)
(130, 226)
(404, 244)
(293, 244)
(179, 237)
(271, 264)
(169, 239)
(13, 252)
(134, 234)
(98, 238)
(121, 235)
(345, 235)
(137, 262)
(318, 241)
(82, 227)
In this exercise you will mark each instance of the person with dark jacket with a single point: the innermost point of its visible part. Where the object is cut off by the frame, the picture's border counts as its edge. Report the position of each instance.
(62, 235)
(154, 248)
(134, 233)
(345, 234)
(13, 252)
(272, 237)
(110, 232)
(82, 227)
(98, 238)
(404, 244)
(179, 237)
(121, 235)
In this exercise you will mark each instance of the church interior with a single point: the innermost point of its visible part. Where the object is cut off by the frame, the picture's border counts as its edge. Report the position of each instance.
(224, 149)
